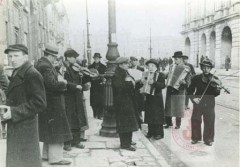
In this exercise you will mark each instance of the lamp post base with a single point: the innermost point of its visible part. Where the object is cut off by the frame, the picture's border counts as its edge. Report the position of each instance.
(109, 124)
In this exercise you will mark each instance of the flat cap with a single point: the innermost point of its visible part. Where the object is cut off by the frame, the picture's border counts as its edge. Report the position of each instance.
(132, 58)
(153, 61)
(97, 55)
(50, 49)
(121, 60)
(207, 62)
(71, 53)
(178, 54)
(17, 47)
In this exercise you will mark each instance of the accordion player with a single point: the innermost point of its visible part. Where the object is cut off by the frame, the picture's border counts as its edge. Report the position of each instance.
(176, 75)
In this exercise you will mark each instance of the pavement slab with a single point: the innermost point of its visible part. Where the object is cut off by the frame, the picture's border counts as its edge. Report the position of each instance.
(94, 145)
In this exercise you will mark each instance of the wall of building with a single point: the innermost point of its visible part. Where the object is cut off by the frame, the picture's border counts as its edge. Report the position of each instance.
(222, 15)
(33, 23)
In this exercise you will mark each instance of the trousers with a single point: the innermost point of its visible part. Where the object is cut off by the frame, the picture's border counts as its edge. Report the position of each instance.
(125, 139)
(53, 152)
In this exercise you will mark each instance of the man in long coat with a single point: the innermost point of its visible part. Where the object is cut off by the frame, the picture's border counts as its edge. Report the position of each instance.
(25, 99)
(53, 124)
(77, 116)
(192, 72)
(175, 98)
(205, 106)
(136, 71)
(96, 90)
(124, 103)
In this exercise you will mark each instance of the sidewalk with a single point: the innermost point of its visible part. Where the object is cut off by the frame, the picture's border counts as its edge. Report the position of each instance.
(104, 152)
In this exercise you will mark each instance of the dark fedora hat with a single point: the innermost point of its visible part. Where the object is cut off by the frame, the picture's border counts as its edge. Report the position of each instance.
(50, 49)
(71, 53)
(154, 61)
(185, 56)
(132, 58)
(207, 62)
(97, 55)
(178, 54)
(17, 47)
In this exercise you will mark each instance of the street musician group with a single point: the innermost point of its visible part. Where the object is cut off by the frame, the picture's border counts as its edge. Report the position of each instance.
(181, 83)
(52, 109)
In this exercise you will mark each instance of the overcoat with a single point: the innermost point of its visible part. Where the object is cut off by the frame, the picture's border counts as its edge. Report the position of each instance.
(96, 90)
(53, 123)
(175, 99)
(124, 102)
(26, 98)
(154, 107)
(76, 113)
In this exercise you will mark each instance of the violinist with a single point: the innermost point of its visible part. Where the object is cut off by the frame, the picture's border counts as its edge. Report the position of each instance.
(75, 111)
(202, 91)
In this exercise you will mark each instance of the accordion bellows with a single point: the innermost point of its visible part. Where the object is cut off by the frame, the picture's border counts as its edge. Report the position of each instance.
(176, 74)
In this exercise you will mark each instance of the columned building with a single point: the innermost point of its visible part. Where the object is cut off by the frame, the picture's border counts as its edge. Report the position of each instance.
(212, 29)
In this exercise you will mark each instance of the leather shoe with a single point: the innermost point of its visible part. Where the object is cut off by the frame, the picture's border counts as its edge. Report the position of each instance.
(149, 136)
(83, 140)
(194, 142)
(133, 143)
(129, 148)
(44, 159)
(67, 148)
(209, 143)
(157, 137)
(63, 162)
(177, 127)
(166, 127)
(79, 146)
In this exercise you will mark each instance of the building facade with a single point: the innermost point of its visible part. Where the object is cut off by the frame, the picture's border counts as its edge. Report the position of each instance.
(212, 29)
(33, 23)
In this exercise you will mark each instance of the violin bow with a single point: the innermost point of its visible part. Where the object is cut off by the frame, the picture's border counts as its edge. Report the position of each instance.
(207, 87)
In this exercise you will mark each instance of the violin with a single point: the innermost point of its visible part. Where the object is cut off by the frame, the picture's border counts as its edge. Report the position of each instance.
(83, 71)
(214, 81)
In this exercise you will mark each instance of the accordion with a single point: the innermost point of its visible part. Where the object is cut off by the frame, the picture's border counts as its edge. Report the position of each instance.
(147, 88)
(176, 74)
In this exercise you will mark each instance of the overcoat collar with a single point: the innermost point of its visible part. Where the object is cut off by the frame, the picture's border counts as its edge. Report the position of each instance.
(121, 72)
(19, 76)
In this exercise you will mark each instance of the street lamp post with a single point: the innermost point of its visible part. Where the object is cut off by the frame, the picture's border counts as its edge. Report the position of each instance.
(109, 122)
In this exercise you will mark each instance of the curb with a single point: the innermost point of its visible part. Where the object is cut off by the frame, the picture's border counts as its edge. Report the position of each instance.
(156, 154)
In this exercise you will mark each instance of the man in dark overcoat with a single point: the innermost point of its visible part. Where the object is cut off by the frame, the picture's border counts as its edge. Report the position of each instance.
(25, 99)
(136, 71)
(227, 63)
(192, 72)
(124, 103)
(175, 97)
(77, 117)
(96, 90)
(53, 124)
(204, 107)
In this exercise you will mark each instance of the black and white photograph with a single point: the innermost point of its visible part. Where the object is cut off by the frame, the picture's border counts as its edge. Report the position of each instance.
(119, 83)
